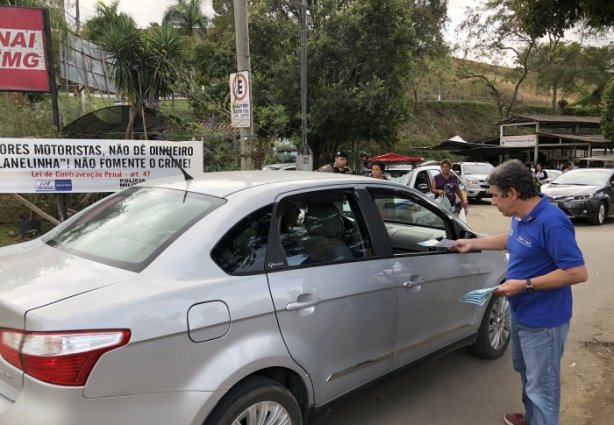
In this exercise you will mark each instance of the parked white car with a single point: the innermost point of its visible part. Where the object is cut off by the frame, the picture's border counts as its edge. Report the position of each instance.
(473, 175)
(421, 177)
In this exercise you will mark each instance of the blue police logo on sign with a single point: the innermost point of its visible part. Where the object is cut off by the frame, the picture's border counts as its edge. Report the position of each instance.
(63, 185)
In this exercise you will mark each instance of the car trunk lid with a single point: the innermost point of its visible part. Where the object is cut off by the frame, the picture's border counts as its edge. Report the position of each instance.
(34, 274)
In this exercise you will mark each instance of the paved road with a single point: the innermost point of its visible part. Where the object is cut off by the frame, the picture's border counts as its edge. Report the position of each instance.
(460, 389)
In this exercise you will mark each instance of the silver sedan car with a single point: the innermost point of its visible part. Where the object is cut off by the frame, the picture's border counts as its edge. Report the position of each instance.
(235, 298)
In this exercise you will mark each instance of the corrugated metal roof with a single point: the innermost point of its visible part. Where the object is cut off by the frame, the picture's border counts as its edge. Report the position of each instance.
(590, 138)
(552, 119)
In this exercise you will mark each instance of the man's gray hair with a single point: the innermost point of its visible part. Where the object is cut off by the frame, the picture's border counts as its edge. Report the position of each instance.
(513, 174)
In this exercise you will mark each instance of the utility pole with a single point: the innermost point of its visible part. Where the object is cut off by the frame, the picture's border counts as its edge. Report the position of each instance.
(304, 161)
(303, 20)
(78, 32)
(243, 64)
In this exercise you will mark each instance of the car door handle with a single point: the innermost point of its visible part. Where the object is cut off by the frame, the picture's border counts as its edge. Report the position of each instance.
(413, 283)
(303, 304)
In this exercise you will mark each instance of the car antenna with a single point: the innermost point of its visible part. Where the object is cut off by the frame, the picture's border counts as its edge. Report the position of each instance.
(185, 173)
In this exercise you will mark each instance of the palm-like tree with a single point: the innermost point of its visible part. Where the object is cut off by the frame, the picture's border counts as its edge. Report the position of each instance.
(145, 63)
(106, 15)
(187, 17)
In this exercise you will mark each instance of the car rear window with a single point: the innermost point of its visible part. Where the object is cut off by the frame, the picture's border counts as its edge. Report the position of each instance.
(131, 228)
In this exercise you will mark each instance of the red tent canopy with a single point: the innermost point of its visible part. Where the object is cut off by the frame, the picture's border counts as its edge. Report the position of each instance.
(391, 157)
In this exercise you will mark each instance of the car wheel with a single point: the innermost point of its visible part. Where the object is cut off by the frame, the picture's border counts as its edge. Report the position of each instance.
(260, 401)
(494, 332)
(598, 217)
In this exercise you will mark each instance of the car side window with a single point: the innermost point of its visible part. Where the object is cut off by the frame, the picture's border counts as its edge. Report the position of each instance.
(242, 250)
(422, 179)
(411, 225)
(322, 228)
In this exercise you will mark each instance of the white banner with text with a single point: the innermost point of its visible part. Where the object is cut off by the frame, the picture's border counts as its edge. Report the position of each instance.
(81, 166)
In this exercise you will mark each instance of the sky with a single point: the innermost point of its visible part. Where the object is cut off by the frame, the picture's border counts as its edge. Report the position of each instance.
(146, 11)
(142, 11)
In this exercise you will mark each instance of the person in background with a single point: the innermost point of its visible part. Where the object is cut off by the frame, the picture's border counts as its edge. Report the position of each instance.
(544, 261)
(540, 174)
(447, 184)
(568, 166)
(377, 170)
(365, 170)
(339, 166)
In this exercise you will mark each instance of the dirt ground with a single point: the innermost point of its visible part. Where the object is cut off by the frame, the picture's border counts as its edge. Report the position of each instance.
(588, 384)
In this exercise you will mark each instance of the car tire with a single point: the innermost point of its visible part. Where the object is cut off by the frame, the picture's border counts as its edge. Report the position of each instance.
(598, 218)
(494, 332)
(258, 400)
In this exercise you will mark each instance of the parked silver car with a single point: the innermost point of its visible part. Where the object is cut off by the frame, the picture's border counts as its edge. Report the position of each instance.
(235, 298)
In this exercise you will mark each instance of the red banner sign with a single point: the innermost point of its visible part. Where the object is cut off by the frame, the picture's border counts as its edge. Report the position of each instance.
(23, 59)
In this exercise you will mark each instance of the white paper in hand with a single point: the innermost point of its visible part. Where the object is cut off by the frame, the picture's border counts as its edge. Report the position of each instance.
(462, 215)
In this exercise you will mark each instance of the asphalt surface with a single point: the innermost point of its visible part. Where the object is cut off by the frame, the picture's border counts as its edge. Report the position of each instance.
(460, 389)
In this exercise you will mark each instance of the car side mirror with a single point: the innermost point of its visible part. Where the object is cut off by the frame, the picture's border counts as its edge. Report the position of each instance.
(423, 187)
(466, 234)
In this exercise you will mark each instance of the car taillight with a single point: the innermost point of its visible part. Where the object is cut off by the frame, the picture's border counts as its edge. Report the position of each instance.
(61, 358)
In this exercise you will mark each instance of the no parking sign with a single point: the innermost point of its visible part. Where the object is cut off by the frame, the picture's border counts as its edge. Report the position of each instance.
(240, 106)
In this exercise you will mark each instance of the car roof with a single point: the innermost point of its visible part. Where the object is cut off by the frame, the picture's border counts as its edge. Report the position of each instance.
(427, 167)
(279, 165)
(225, 183)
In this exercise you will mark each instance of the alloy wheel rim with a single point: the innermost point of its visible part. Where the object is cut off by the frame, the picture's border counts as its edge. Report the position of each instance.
(601, 213)
(264, 413)
(499, 324)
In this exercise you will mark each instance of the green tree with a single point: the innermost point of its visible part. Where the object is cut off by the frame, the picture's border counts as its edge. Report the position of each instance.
(359, 71)
(543, 17)
(145, 63)
(607, 111)
(105, 17)
(187, 17)
(431, 54)
(495, 36)
(557, 69)
(571, 69)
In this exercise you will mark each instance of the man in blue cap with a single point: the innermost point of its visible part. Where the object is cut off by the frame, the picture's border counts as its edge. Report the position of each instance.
(339, 166)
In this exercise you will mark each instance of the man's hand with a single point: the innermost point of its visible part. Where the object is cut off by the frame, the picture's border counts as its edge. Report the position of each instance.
(510, 288)
(462, 245)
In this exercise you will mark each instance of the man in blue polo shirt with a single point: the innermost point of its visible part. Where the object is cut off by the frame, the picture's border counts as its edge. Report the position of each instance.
(544, 262)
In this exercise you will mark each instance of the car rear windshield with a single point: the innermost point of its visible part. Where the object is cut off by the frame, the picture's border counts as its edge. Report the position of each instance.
(584, 177)
(131, 228)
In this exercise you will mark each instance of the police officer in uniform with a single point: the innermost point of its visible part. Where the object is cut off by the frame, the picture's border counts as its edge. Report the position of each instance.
(339, 166)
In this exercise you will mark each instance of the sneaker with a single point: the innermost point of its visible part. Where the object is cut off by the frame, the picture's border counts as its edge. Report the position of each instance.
(515, 419)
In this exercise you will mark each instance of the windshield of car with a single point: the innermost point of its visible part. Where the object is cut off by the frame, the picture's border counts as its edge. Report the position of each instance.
(586, 177)
(129, 229)
(404, 179)
(477, 168)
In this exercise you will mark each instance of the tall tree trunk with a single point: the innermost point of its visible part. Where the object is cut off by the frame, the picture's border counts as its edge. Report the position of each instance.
(131, 119)
(145, 136)
(555, 103)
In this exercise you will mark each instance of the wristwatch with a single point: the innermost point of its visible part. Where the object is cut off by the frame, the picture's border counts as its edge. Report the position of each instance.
(529, 285)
